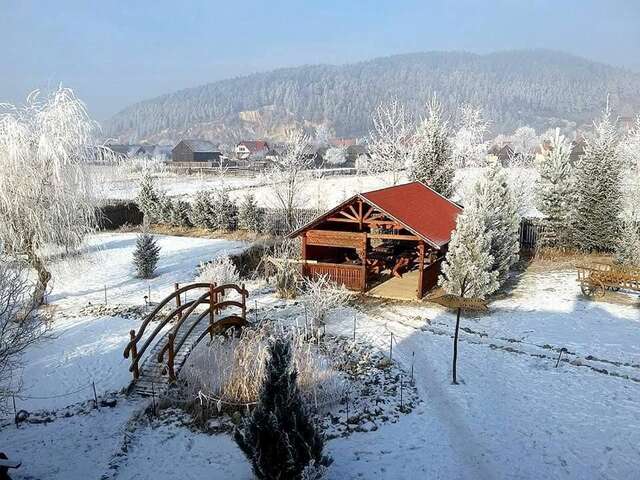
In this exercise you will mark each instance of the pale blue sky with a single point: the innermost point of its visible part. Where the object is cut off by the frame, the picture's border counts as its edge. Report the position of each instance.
(115, 52)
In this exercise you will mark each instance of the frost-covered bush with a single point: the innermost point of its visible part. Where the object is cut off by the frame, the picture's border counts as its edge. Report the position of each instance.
(320, 295)
(220, 271)
(628, 243)
(148, 198)
(280, 438)
(286, 266)
(250, 216)
(146, 255)
(232, 368)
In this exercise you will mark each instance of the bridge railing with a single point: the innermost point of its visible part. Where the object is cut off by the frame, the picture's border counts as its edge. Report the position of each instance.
(212, 298)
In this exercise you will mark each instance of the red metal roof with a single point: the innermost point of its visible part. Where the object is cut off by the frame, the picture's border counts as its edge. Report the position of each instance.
(425, 212)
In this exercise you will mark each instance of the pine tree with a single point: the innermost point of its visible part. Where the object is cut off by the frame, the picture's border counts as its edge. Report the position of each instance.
(279, 438)
(431, 160)
(145, 256)
(555, 191)
(225, 211)
(598, 188)
(179, 215)
(250, 216)
(468, 267)
(148, 198)
(201, 214)
(628, 242)
(492, 196)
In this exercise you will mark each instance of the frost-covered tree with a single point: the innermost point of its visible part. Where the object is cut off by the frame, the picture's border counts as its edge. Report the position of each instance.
(201, 210)
(250, 215)
(225, 211)
(46, 196)
(148, 198)
(389, 142)
(335, 156)
(491, 194)
(469, 147)
(286, 178)
(630, 148)
(598, 188)
(280, 438)
(431, 158)
(555, 192)
(468, 269)
(179, 214)
(146, 255)
(323, 135)
(628, 243)
(20, 326)
(524, 141)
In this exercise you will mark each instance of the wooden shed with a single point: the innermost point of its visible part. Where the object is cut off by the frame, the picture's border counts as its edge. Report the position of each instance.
(389, 242)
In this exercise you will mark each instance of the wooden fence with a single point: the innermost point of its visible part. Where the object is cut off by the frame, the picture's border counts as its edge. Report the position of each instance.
(351, 276)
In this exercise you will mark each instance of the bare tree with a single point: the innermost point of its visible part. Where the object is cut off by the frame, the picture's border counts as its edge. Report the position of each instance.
(322, 295)
(46, 196)
(20, 325)
(287, 176)
(469, 145)
(390, 142)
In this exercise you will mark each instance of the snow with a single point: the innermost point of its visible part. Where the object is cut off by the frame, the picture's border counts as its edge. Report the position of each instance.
(84, 348)
(515, 415)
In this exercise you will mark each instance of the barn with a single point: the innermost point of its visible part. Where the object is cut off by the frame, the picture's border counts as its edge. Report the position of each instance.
(187, 151)
(389, 242)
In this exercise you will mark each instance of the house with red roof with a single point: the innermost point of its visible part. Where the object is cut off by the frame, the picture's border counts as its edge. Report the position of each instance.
(254, 148)
(389, 242)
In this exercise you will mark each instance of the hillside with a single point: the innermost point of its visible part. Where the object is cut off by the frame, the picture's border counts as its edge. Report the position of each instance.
(538, 87)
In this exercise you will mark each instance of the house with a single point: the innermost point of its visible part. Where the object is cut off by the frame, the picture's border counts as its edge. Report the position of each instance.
(197, 151)
(504, 153)
(246, 149)
(388, 242)
(123, 150)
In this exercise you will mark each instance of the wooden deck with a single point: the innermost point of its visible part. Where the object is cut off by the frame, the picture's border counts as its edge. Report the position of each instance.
(404, 288)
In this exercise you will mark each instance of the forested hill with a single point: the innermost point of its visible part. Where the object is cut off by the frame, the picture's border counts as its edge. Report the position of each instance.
(539, 88)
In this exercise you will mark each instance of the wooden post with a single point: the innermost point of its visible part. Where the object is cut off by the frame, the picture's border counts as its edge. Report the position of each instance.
(304, 254)
(244, 303)
(364, 264)
(455, 348)
(178, 301)
(360, 215)
(212, 306)
(420, 269)
(170, 360)
(134, 355)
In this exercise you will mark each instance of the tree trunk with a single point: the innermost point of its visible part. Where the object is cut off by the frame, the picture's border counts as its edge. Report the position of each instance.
(43, 278)
(455, 348)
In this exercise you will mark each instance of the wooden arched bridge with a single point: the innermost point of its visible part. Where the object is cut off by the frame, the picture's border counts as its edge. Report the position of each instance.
(166, 355)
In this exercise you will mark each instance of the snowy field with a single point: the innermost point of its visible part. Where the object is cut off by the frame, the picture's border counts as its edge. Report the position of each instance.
(85, 349)
(514, 416)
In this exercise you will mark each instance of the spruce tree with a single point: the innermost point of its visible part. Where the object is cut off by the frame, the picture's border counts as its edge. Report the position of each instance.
(179, 215)
(279, 438)
(225, 211)
(250, 216)
(201, 214)
(555, 192)
(598, 188)
(431, 156)
(468, 269)
(492, 196)
(148, 197)
(145, 256)
(628, 243)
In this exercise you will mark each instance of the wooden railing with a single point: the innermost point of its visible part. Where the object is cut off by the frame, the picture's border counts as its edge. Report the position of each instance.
(212, 298)
(351, 276)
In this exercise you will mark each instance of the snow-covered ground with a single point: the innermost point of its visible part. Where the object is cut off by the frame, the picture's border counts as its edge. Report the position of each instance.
(515, 415)
(88, 348)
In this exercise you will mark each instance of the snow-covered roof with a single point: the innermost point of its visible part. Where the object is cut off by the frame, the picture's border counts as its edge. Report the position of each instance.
(196, 145)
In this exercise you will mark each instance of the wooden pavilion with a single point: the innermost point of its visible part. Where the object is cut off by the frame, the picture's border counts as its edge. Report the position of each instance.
(389, 242)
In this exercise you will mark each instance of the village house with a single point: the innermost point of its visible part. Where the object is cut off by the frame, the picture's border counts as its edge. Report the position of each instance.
(201, 152)
(389, 242)
(246, 149)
